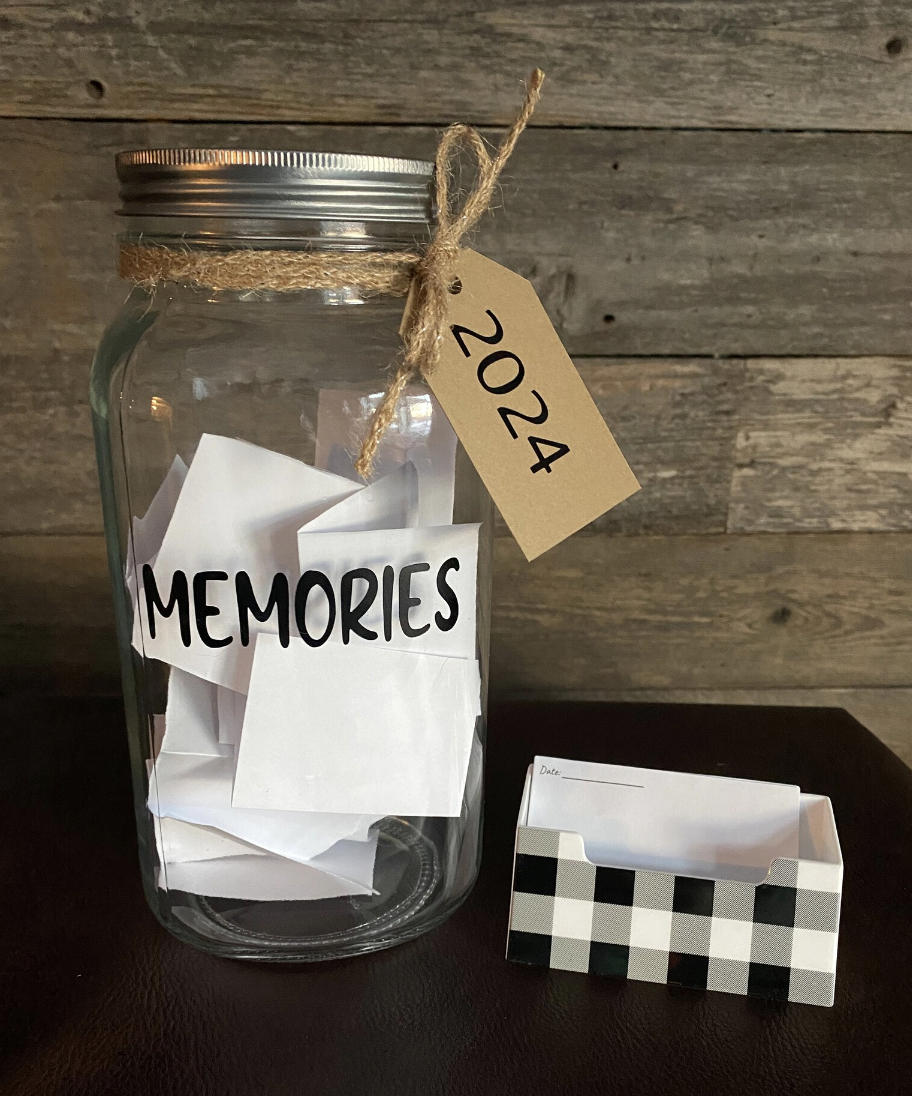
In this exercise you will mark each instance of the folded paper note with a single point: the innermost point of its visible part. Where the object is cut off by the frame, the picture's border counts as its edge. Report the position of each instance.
(350, 863)
(198, 789)
(359, 728)
(420, 433)
(714, 826)
(387, 503)
(409, 589)
(230, 706)
(191, 717)
(233, 531)
(265, 878)
(148, 532)
(179, 842)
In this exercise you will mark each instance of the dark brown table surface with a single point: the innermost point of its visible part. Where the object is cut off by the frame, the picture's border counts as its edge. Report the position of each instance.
(97, 999)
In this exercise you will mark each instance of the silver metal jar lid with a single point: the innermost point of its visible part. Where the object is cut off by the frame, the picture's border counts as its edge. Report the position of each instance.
(254, 184)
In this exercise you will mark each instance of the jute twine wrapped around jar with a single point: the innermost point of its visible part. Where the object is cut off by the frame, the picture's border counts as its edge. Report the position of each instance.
(427, 274)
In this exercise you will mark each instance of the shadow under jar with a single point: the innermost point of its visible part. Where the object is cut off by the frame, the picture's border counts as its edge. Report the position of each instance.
(304, 652)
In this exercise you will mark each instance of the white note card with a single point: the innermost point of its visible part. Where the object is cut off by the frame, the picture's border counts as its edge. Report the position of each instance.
(148, 532)
(707, 826)
(356, 729)
(410, 589)
(197, 789)
(388, 503)
(191, 717)
(343, 870)
(420, 433)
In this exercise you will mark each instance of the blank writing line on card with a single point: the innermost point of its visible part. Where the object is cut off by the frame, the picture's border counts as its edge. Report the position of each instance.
(615, 783)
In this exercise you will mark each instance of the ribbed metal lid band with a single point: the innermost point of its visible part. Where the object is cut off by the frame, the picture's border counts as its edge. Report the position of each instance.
(334, 162)
(274, 184)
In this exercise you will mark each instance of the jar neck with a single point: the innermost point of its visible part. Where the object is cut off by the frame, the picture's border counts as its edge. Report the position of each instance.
(165, 295)
(207, 233)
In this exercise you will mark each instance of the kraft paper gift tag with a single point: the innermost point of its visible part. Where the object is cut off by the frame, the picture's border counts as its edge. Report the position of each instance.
(521, 410)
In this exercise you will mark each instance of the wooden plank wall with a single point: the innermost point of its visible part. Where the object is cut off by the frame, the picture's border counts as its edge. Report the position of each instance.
(714, 206)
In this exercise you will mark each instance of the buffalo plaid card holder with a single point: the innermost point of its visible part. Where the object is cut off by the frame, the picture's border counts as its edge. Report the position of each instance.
(776, 939)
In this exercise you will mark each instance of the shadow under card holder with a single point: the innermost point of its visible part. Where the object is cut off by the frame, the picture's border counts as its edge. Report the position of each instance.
(776, 938)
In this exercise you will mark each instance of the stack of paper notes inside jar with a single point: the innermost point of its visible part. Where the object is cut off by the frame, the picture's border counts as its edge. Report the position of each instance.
(320, 635)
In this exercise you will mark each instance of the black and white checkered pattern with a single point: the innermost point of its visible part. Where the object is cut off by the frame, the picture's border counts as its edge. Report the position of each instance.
(775, 940)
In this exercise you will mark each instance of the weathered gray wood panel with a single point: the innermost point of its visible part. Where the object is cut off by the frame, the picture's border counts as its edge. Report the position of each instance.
(823, 444)
(595, 614)
(676, 422)
(690, 243)
(48, 482)
(723, 243)
(787, 63)
(746, 612)
(738, 445)
(760, 445)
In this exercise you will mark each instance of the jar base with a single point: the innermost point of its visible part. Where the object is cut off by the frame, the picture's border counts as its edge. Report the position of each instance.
(407, 877)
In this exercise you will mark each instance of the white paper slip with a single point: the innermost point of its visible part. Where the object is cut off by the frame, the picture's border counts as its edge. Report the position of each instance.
(198, 789)
(191, 720)
(408, 589)
(419, 433)
(239, 511)
(347, 729)
(148, 532)
(258, 879)
(182, 841)
(230, 707)
(350, 862)
(466, 744)
(388, 503)
(711, 826)
(475, 767)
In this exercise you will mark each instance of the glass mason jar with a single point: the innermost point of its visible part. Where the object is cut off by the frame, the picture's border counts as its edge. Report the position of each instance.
(304, 652)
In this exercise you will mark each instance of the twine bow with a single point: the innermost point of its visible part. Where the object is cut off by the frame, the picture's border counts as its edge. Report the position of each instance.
(432, 276)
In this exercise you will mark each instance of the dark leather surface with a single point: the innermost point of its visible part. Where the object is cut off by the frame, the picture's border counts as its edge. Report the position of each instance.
(97, 999)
